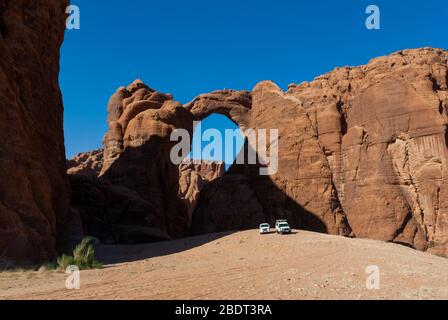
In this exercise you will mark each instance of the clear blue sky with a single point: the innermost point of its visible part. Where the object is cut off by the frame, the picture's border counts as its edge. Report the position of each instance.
(188, 47)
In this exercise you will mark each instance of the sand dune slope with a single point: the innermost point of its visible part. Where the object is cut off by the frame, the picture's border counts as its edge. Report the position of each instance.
(245, 265)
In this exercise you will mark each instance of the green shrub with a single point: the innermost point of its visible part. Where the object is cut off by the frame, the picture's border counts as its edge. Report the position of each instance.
(83, 256)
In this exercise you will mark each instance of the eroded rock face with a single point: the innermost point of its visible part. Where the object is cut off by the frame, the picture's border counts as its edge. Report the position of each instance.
(34, 192)
(137, 149)
(115, 214)
(383, 129)
(234, 104)
(87, 164)
(193, 176)
(362, 152)
(137, 152)
(301, 191)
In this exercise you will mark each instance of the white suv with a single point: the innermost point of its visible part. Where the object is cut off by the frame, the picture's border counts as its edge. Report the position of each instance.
(282, 227)
(265, 228)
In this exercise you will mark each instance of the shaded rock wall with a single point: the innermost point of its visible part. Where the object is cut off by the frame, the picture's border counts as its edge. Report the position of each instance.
(115, 213)
(193, 176)
(34, 191)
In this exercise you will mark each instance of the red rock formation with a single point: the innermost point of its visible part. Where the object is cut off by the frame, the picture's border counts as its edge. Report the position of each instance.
(34, 192)
(87, 164)
(362, 152)
(193, 176)
(116, 214)
(234, 104)
(361, 149)
(137, 152)
(301, 190)
(227, 204)
(383, 129)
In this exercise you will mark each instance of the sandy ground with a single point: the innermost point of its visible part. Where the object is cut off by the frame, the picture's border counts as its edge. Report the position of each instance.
(245, 265)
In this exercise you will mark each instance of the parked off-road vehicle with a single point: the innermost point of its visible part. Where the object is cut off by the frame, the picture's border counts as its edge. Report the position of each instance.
(265, 228)
(282, 227)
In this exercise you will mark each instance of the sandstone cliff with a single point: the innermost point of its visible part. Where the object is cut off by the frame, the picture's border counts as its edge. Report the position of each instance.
(383, 130)
(193, 176)
(34, 192)
(362, 153)
(137, 151)
(362, 149)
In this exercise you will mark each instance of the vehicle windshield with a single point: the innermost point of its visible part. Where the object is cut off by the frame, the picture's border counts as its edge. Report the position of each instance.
(264, 226)
(283, 225)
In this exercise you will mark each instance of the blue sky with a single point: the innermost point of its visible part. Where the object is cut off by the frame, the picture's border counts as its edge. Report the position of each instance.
(188, 47)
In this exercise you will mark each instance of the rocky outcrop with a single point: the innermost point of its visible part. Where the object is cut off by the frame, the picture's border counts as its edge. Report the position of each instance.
(137, 151)
(116, 214)
(193, 176)
(34, 191)
(383, 130)
(301, 191)
(362, 152)
(87, 164)
(235, 105)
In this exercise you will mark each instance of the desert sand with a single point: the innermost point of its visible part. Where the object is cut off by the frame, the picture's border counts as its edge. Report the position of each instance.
(245, 265)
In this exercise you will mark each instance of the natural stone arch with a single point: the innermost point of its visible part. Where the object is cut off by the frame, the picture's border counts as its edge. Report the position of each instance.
(236, 105)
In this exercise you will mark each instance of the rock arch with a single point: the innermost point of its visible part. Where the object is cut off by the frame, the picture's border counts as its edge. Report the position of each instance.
(236, 105)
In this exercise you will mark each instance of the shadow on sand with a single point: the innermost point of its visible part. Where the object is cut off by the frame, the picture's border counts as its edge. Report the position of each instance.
(243, 199)
(112, 254)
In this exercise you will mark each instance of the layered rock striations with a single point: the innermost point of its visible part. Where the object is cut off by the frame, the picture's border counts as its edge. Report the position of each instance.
(362, 149)
(34, 190)
(383, 129)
